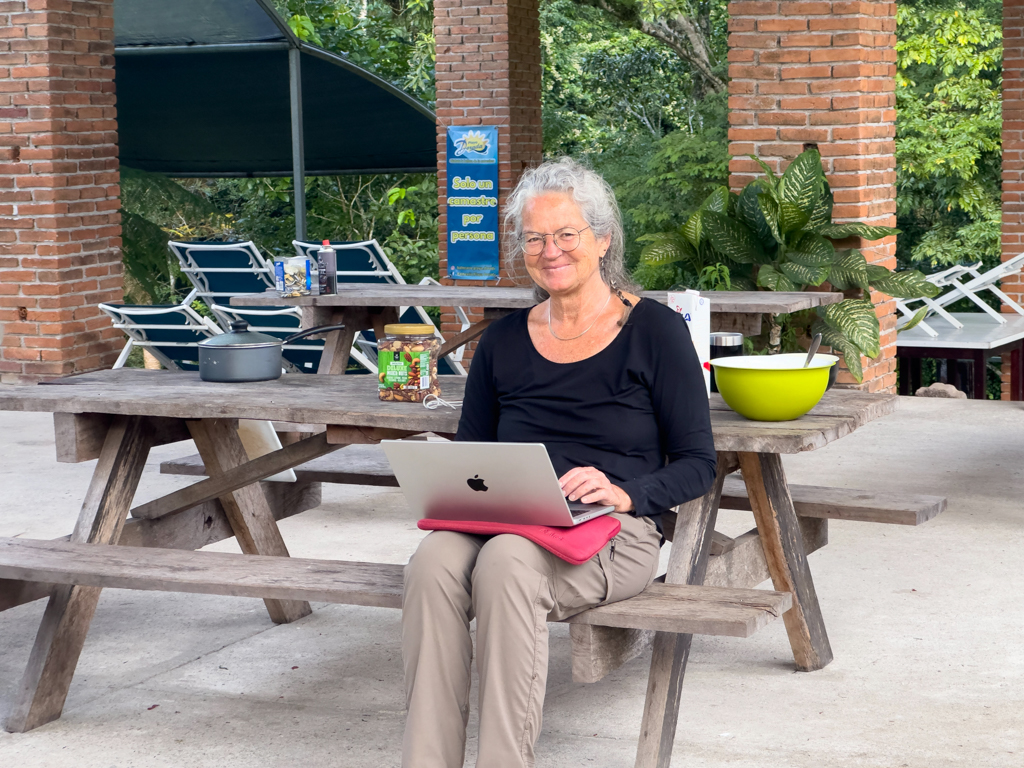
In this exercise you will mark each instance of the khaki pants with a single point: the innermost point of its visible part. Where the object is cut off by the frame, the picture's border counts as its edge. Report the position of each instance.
(513, 587)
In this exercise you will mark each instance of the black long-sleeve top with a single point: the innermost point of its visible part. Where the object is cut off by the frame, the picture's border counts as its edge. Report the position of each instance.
(637, 410)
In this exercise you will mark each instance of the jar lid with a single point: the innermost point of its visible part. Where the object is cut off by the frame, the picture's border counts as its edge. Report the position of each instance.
(409, 329)
(726, 339)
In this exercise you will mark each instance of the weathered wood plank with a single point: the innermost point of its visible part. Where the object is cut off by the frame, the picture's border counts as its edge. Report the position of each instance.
(79, 436)
(847, 503)
(465, 337)
(688, 609)
(353, 401)
(192, 529)
(214, 573)
(781, 538)
(744, 565)
(236, 477)
(695, 523)
(58, 645)
(347, 435)
(367, 295)
(349, 465)
(246, 508)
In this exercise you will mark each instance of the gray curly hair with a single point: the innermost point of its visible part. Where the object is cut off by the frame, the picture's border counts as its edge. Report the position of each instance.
(596, 201)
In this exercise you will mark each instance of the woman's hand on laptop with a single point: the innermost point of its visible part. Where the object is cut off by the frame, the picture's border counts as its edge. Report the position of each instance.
(592, 486)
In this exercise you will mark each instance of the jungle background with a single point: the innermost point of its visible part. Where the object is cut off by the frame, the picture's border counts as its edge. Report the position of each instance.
(637, 90)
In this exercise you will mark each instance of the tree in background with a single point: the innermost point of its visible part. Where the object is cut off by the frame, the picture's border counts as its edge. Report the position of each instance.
(948, 148)
(639, 112)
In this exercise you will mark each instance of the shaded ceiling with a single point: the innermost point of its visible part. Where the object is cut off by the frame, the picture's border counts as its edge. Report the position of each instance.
(203, 90)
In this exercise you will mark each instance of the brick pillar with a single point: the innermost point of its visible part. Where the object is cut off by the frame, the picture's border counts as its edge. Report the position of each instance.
(823, 73)
(1013, 154)
(488, 73)
(59, 197)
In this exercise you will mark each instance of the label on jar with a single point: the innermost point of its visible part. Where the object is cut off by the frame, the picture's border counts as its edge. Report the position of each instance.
(403, 369)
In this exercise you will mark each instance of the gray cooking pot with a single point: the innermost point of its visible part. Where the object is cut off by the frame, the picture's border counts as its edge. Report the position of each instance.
(244, 355)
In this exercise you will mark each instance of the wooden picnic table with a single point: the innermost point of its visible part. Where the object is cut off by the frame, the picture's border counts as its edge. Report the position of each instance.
(363, 307)
(118, 415)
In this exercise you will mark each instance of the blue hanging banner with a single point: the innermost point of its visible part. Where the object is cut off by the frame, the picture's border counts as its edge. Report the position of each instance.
(473, 247)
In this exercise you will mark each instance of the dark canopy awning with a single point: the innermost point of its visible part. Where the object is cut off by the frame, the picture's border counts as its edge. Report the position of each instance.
(203, 90)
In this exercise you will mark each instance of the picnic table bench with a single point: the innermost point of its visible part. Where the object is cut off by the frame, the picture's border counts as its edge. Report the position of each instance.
(117, 416)
(361, 307)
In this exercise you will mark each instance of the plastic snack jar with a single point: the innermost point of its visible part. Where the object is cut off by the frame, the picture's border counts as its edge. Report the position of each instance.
(407, 362)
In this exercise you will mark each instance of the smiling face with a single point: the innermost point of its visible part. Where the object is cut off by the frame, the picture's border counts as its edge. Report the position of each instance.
(559, 272)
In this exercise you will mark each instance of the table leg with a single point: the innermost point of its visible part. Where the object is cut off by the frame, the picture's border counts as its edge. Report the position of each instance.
(65, 623)
(246, 509)
(688, 562)
(1016, 377)
(338, 344)
(782, 540)
(980, 378)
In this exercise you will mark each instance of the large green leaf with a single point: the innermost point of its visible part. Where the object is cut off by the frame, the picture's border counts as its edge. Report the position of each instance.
(822, 214)
(667, 248)
(913, 321)
(798, 273)
(849, 270)
(770, 211)
(770, 180)
(791, 217)
(801, 184)
(876, 272)
(832, 337)
(840, 231)
(717, 201)
(693, 229)
(908, 284)
(748, 210)
(731, 238)
(812, 251)
(771, 278)
(856, 320)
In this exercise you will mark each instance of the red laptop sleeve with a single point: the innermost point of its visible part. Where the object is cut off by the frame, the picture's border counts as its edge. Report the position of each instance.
(575, 545)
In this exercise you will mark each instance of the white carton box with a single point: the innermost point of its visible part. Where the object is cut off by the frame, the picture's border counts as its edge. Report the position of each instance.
(696, 310)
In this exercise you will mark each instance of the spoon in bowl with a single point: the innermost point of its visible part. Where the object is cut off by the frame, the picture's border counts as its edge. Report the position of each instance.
(815, 343)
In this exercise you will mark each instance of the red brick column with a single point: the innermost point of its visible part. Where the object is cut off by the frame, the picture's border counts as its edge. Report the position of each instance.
(823, 73)
(59, 197)
(488, 73)
(1013, 154)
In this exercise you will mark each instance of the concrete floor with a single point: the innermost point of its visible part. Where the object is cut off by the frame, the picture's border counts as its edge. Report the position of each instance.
(925, 624)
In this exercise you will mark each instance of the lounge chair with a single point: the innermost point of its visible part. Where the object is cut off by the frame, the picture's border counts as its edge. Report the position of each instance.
(171, 332)
(980, 281)
(220, 271)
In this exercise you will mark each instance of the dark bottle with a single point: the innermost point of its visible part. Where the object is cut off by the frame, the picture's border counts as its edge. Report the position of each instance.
(327, 265)
(724, 344)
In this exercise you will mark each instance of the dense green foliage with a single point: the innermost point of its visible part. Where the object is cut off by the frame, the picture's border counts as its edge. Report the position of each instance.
(637, 90)
(778, 234)
(948, 148)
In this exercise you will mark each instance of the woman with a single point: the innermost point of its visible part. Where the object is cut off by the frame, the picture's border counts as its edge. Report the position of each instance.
(611, 384)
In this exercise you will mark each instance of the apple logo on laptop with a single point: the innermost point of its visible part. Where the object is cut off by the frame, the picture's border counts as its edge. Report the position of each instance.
(476, 483)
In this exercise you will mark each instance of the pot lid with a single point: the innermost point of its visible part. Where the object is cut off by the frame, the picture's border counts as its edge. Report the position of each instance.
(241, 336)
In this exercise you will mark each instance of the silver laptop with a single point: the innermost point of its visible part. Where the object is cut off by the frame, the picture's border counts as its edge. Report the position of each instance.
(492, 482)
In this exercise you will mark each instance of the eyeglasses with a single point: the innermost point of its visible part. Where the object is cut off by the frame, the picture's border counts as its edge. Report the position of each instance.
(565, 239)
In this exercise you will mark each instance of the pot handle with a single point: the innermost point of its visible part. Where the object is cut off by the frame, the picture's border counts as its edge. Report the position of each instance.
(310, 332)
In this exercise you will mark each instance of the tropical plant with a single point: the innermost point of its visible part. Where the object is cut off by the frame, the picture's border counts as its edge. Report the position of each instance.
(777, 235)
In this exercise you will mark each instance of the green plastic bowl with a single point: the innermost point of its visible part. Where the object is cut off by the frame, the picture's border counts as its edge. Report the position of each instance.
(772, 387)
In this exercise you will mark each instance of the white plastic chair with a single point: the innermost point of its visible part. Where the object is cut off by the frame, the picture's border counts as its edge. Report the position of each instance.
(979, 282)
